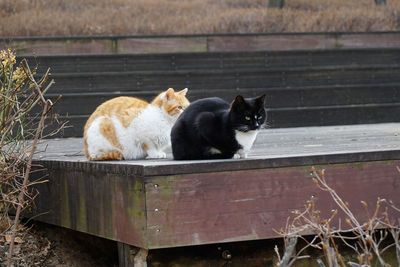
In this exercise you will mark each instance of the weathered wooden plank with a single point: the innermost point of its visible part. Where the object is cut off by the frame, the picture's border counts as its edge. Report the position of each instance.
(206, 208)
(302, 41)
(277, 98)
(186, 43)
(333, 115)
(216, 60)
(44, 46)
(224, 79)
(286, 117)
(368, 40)
(163, 45)
(97, 201)
(271, 42)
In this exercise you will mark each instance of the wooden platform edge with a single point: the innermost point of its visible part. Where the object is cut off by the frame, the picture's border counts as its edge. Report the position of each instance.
(203, 208)
(149, 168)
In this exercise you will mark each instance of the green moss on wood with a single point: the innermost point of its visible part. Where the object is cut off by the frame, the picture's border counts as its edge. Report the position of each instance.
(65, 211)
(135, 198)
(82, 215)
(166, 185)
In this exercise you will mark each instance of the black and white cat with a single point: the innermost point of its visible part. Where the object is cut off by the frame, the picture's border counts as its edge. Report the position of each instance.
(211, 128)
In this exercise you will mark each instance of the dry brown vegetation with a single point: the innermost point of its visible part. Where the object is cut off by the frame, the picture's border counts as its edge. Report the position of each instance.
(144, 17)
(369, 239)
(20, 132)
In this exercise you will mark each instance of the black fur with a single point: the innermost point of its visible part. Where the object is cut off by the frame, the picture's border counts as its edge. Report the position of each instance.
(211, 123)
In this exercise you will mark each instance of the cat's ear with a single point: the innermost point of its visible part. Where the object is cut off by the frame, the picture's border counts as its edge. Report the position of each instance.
(239, 102)
(169, 94)
(183, 92)
(260, 100)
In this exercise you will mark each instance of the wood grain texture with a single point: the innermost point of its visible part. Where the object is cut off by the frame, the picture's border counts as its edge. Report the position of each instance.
(248, 205)
(102, 203)
(215, 60)
(205, 42)
(224, 79)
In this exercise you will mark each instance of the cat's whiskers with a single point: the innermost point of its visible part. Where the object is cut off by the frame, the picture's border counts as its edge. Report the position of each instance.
(265, 125)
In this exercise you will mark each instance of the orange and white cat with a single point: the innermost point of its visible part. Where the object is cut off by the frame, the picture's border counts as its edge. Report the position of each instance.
(130, 128)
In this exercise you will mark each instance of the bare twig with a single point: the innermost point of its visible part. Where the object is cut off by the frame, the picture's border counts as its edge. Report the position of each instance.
(19, 137)
(23, 188)
(368, 235)
(289, 251)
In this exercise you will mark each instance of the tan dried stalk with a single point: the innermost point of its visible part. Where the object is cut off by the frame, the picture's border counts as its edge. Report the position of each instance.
(20, 93)
(364, 238)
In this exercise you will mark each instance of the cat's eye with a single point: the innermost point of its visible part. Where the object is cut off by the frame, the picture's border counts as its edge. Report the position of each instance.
(180, 107)
(259, 117)
(247, 118)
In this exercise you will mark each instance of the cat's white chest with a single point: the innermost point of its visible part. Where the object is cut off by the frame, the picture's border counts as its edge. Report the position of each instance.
(150, 128)
(246, 139)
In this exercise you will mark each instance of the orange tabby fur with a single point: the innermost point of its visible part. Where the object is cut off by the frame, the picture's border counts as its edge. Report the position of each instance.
(126, 109)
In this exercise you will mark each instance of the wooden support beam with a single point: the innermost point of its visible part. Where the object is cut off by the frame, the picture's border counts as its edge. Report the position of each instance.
(130, 256)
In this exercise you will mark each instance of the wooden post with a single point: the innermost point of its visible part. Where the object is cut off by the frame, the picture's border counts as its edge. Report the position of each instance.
(276, 3)
(380, 2)
(130, 256)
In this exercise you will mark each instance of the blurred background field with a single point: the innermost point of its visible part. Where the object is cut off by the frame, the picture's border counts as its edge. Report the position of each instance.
(147, 17)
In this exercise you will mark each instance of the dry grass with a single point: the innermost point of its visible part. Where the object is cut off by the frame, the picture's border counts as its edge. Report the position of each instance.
(143, 17)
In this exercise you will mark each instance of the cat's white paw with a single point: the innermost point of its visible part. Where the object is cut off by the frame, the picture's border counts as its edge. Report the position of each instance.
(243, 156)
(214, 151)
(240, 155)
(156, 155)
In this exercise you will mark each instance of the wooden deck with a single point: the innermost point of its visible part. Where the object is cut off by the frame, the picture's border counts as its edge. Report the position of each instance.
(165, 203)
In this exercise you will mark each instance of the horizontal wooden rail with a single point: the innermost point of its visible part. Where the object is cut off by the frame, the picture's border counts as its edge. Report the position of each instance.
(290, 117)
(199, 43)
(237, 79)
(215, 60)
